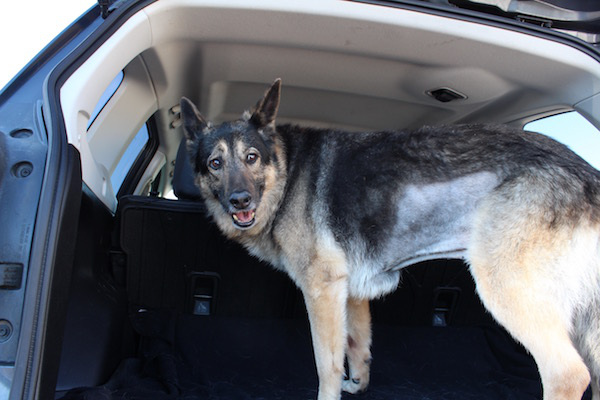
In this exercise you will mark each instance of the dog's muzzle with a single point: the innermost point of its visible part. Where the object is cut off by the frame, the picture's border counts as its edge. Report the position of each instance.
(242, 210)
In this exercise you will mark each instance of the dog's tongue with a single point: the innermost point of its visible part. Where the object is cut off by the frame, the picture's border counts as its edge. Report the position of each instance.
(244, 216)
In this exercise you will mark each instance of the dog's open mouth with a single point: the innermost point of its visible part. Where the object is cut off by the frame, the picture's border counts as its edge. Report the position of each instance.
(243, 219)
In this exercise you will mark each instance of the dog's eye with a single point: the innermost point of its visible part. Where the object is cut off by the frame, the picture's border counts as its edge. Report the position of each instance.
(251, 158)
(215, 163)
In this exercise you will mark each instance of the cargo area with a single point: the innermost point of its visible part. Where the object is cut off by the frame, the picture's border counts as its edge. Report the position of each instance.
(161, 306)
(178, 312)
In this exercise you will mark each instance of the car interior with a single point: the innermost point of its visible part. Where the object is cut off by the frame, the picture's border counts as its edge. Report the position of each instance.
(162, 306)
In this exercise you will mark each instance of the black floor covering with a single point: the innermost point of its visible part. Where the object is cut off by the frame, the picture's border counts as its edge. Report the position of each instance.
(192, 357)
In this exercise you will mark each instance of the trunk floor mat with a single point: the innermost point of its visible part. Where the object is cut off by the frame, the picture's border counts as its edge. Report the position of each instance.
(190, 357)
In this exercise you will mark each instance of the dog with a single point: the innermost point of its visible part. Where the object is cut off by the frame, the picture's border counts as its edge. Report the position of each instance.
(342, 213)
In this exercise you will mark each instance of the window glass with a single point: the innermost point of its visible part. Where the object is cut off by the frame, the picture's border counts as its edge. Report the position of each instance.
(573, 130)
(110, 90)
(131, 153)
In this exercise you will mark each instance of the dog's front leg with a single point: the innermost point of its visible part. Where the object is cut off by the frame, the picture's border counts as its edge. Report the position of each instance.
(325, 293)
(359, 345)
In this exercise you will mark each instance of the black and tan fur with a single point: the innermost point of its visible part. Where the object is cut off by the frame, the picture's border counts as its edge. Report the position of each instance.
(343, 212)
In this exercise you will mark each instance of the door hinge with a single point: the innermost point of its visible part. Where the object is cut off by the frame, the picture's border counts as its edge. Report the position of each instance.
(108, 6)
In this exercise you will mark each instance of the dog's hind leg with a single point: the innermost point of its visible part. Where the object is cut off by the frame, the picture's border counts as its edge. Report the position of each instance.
(529, 279)
(586, 336)
(534, 321)
(586, 324)
(359, 345)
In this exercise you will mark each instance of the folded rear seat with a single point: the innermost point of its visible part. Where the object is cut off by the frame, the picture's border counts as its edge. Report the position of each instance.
(175, 258)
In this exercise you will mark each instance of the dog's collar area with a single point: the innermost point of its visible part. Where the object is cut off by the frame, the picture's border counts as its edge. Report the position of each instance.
(244, 219)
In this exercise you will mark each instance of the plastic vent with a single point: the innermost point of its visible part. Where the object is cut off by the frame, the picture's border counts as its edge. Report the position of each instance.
(446, 95)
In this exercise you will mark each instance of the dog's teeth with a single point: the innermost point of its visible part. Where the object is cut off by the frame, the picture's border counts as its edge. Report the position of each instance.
(235, 217)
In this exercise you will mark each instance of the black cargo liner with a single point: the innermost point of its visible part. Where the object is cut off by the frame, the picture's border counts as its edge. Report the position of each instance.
(432, 339)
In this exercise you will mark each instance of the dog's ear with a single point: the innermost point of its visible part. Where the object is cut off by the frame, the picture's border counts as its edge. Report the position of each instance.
(193, 122)
(266, 108)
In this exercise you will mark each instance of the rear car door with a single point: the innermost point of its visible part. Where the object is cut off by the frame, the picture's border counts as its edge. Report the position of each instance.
(40, 196)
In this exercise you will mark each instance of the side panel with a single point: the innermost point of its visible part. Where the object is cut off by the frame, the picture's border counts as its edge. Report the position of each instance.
(96, 333)
(22, 163)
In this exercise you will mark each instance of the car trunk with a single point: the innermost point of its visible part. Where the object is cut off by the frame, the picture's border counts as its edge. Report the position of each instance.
(162, 306)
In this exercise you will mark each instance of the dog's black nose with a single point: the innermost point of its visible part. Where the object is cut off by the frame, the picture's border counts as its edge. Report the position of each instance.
(240, 200)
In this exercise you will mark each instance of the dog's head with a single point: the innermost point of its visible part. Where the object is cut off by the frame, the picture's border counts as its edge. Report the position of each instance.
(239, 165)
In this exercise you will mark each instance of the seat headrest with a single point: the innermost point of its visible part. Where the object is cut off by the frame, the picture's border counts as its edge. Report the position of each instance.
(183, 176)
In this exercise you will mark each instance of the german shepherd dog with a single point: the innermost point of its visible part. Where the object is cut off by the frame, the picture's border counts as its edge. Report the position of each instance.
(343, 212)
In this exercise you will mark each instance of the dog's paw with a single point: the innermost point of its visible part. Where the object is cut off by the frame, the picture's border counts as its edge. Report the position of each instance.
(354, 385)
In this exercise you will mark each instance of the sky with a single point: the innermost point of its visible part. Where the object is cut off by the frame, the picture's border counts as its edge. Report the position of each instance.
(27, 26)
(573, 130)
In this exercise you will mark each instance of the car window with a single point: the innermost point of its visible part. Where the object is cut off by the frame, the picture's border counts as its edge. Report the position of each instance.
(121, 165)
(129, 156)
(108, 93)
(573, 130)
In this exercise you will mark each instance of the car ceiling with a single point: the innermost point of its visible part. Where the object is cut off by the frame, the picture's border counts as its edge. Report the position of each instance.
(359, 66)
(351, 65)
